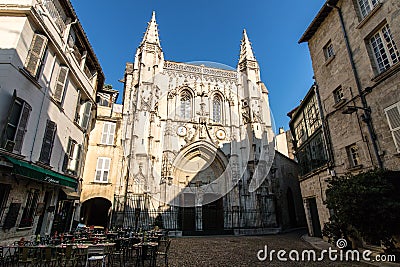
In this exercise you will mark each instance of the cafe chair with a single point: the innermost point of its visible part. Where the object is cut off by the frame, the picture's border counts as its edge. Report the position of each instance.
(26, 257)
(67, 256)
(117, 254)
(163, 249)
(97, 256)
(48, 257)
(81, 254)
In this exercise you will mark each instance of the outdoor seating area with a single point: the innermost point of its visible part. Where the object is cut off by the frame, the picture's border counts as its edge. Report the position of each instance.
(90, 247)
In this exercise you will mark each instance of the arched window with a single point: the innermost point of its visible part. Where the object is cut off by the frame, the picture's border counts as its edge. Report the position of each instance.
(217, 109)
(185, 105)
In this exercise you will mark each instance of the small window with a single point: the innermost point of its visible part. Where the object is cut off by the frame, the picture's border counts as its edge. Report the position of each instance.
(384, 49)
(328, 51)
(107, 137)
(338, 94)
(393, 117)
(353, 154)
(366, 6)
(102, 170)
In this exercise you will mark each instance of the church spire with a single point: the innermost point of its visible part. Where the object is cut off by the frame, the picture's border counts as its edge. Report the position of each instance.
(151, 34)
(246, 52)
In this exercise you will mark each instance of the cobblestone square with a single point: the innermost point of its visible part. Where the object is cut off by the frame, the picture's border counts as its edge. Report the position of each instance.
(240, 251)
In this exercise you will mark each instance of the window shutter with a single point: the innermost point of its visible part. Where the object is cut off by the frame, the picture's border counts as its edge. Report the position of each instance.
(60, 83)
(35, 54)
(66, 155)
(111, 135)
(21, 129)
(48, 141)
(99, 169)
(74, 162)
(106, 129)
(86, 109)
(4, 136)
(106, 169)
(393, 116)
(78, 106)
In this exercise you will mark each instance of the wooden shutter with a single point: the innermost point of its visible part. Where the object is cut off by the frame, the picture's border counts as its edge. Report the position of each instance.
(21, 129)
(35, 54)
(111, 134)
(99, 169)
(78, 106)
(66, 155)
(60, 83)
(48, 141)
(106, 169)
(5, 138)
(86, 110)
(74, 162)
(104, 136)
(393, 117)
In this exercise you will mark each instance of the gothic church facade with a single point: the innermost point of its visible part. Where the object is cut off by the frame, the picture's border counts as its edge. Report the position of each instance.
(198, 144)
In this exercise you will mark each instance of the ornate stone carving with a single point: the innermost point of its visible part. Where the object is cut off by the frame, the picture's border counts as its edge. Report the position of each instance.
(171, 94)
(182, 67)
(246, 116)
(257, 116)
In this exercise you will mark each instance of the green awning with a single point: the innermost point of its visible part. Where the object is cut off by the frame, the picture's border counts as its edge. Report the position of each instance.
(38, 173)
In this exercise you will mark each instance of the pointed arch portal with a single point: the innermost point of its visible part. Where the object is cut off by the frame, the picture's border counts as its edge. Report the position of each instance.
(196, 169)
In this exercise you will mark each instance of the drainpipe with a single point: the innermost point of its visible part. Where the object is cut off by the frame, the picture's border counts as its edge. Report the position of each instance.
(46, 89)
(366, 117)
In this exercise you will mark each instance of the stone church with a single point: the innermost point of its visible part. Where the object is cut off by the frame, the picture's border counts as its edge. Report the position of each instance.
(199, 152)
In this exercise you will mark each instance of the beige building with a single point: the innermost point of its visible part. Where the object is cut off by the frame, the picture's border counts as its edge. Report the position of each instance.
(354, 47)
(102, 177)
(49, 76)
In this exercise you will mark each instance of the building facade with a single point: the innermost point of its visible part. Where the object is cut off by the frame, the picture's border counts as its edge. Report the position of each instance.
(354, 47)
(102, 177)
(49, 76)
(306, 124)
(198, 145)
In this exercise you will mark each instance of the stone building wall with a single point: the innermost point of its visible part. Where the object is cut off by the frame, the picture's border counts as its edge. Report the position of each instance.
(381, 90)
(346, 129)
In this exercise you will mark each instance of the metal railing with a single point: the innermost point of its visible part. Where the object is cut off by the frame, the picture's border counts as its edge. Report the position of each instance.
(135, 214)
(55, 14)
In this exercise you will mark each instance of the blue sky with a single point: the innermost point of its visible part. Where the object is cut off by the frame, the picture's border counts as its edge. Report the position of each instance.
(210, 31)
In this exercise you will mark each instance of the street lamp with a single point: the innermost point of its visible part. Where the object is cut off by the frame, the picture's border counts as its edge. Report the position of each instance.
(352, 109)
(366, 117)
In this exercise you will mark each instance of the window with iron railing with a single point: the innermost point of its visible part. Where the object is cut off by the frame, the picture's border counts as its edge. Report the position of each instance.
(4, 193)
(29, 210)
(56, 13)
